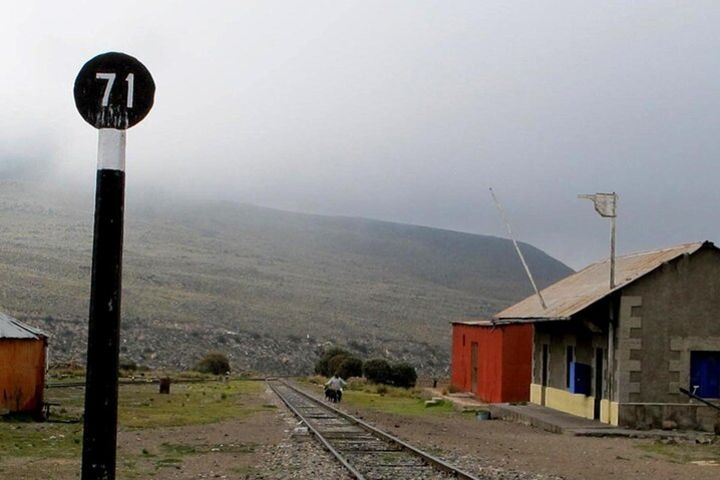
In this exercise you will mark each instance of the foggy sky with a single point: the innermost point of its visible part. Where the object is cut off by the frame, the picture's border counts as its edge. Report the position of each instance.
(398, 110)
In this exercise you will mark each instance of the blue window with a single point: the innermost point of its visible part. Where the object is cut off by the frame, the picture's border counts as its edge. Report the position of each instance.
(705, 374)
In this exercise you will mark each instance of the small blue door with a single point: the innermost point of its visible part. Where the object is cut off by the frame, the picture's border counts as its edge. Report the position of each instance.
(580, 375)
(705, 374)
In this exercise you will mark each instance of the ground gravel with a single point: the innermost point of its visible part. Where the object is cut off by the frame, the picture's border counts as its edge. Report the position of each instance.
(480, 468)
(297, 456)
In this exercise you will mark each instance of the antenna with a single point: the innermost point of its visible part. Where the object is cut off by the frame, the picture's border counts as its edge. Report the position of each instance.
(517, 248)
(606, 206)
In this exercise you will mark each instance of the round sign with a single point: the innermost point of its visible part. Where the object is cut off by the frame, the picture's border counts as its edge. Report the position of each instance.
(114, 90)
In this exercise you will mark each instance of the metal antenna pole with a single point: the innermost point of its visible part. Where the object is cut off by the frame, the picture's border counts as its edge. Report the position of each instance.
(517, 248)
(606, 205)
(612, 242)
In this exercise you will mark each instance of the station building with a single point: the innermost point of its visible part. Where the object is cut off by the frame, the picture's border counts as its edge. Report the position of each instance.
(23, 353)
(620, 355)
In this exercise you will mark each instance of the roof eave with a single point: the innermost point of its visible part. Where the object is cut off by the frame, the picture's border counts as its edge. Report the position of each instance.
(499, 321)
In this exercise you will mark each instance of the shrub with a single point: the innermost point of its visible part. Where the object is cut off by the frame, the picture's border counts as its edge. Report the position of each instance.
(215, 363)
(377, 370)
(349, 367)
(128, 365)
(334, 364)
(403, 375)
(323, 367)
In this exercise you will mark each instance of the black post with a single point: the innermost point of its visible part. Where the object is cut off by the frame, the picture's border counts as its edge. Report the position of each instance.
(113, 91)
(101, 384)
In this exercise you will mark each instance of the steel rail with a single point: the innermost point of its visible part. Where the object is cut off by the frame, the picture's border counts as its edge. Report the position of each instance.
(431, 459)
(318, 435)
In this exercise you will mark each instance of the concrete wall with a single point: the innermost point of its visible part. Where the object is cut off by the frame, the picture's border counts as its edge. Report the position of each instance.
(664, 316)
(685, 416)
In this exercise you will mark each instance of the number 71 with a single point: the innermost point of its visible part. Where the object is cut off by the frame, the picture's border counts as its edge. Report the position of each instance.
(110, 77)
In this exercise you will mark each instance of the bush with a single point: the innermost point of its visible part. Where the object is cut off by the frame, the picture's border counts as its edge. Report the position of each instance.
(215, 363)
(349, 367)
(377, 370)
(334, 364)
(128, 365)
(323, 367)
(403, 375)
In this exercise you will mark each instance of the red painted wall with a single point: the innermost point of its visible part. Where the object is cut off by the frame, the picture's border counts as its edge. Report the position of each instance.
(504, 361)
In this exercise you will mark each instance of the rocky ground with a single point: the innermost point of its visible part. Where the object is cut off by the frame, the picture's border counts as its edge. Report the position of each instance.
(501, 450)
(156, 347)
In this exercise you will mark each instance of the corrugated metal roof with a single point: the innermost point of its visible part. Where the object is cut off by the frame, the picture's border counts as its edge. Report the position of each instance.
(11, 328)
(482, 323)
(580, 290)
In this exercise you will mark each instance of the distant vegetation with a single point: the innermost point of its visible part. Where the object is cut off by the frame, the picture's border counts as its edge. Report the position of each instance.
(338, 361)
(329, 361)
(403, 375)
(215, 363)
(377, 370)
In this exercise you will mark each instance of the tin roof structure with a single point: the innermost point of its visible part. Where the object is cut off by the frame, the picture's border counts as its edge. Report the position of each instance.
(12, 328)
(477, 323)
(591, 284)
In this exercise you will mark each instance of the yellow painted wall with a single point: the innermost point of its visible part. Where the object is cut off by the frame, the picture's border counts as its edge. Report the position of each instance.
(574, 403)
(535, 393)
(614, 409)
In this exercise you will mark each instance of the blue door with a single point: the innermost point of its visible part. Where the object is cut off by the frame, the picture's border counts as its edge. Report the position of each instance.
(705, 374)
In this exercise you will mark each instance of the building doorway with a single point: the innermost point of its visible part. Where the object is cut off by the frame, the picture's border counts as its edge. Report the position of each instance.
(544, 372)
(599, 357)
(474, 367)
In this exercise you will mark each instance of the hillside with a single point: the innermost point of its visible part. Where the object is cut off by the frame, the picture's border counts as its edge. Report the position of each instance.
(267, 287)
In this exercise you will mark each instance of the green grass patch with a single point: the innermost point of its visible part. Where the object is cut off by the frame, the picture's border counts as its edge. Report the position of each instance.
(188, 404)
(682, 452)
(140, 406)
(400, 405)
(39, 440)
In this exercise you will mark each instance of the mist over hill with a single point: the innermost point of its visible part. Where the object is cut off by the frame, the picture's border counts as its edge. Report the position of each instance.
(267, 287)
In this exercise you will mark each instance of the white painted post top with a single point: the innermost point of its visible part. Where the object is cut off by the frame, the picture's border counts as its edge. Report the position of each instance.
(111, 149)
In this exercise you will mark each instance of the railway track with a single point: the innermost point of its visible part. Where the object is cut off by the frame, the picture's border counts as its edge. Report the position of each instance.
(366, 452)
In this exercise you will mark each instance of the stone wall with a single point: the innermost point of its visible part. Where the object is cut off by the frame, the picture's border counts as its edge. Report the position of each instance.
(663, 317)
(683, 416)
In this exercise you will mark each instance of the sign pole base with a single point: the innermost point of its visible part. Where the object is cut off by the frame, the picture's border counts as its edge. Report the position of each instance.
(101, 384)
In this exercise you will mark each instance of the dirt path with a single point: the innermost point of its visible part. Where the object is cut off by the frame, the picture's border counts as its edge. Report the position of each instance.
(264, 446)
(517, 447)
(227, 449)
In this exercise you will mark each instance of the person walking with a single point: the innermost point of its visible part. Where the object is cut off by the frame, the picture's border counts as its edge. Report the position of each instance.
(333, 388)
